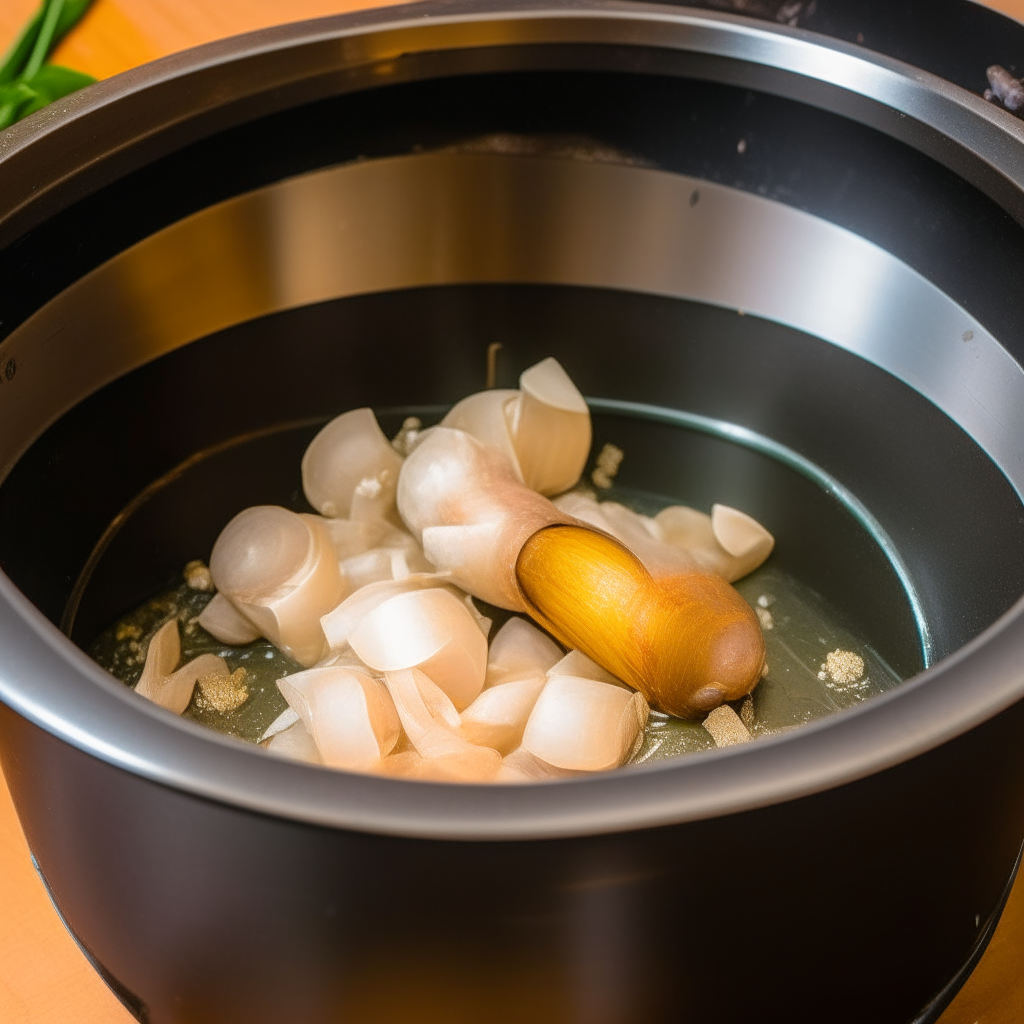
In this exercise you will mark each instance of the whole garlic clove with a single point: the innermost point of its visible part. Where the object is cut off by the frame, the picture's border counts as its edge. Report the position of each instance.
(498, 716)
(462, 500)
(295, 744)
(279, 569)
(350, 715)
(427, 629)
(585, 725)
(742, 536)
(550, 427)
(223, 621)
(160, 683)
(350, 450)
(485, 417)
(577, 664)
(519, 650)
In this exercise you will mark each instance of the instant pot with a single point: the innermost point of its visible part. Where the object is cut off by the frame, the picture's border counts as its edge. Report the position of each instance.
(778, 248)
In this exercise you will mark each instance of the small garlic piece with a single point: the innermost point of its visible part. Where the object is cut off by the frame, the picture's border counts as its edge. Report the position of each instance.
(223, 621)
(585, 725)
(350, 715)
(427, 629)
(550, 427)
(279, 569)
(294, 743)
(159, 681)
(726, 727)
(485, 417)
(519, 650)
(498, 716)
(349, 453)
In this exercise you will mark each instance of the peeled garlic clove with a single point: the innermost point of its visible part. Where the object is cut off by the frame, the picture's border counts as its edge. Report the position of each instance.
(483, 416)
(223, 621)
(429, 629)
(522, 766)
(585, 725)
(519, 650)
(338, 623)
(477, 513)
(550, 426)
(294, 743)
(279, 569)
(350, 715)
(742, 536)
(349, 450)
(498, 716)
(577, 664)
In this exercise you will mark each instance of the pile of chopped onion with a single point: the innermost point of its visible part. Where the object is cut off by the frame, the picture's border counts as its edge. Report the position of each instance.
(374, 595)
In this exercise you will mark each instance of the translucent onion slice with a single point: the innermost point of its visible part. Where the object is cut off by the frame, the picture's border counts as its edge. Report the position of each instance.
(478, 514)
(285, 720)
(349, 714)
(223, 621)
(294, 743)
(159, 681)
(431, 735)
(585, 725)
(577, 664)
(338, 623)
(352, 537)
(522, 766)
(279, 569)
(375, 566)
(498, 716)
(427, 629)
(519, 650)
(550, 427)
(485, 416)
(350, 450)
(695, 534)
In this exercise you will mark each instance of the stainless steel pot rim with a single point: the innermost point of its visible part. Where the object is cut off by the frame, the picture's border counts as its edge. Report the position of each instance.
(55, 685)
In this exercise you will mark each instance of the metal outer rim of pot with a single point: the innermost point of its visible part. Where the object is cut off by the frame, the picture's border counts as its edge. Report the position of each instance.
(42, 673)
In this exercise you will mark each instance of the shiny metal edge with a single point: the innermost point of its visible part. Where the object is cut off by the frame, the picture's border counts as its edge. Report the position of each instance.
(469, 217)
(794, 460)
(298, 63)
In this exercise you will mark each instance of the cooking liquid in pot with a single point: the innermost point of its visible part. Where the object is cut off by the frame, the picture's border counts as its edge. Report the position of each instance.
(801, 631)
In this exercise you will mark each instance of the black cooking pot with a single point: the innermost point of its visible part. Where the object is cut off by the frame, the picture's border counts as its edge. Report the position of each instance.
(787, 269)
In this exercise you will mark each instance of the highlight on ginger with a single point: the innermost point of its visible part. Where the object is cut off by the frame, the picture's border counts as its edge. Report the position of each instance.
(617, 615)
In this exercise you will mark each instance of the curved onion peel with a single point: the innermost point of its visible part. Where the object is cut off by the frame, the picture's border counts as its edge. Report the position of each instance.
(159, 681)
(350, 453)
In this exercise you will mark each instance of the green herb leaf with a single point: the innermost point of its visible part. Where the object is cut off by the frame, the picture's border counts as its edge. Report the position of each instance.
(15, 61)
(51, 82)
(16, 57)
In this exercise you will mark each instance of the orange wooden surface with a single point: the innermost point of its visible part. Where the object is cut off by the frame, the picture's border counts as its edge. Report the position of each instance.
(44, 978)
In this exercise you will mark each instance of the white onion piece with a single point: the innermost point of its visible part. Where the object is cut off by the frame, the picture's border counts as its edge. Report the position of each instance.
(279, 569)
(519, 650)
(742, 536)
(223, 621)
(498, 716)
(285, 720)
(585, 725)
(431, 736)
(164, 686)
(452, 480)
(522, 766)
(693, 533)
(351, 449)
(427, 629)
(485, 416)
(338, 623)
(577, 664)
(350, 715)
(294, 743)
(550, 427)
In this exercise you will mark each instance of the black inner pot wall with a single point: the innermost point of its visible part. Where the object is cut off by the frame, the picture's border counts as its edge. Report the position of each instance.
(951, 514)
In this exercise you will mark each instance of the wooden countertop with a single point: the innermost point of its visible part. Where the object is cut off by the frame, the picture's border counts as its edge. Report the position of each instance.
(44, 978)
